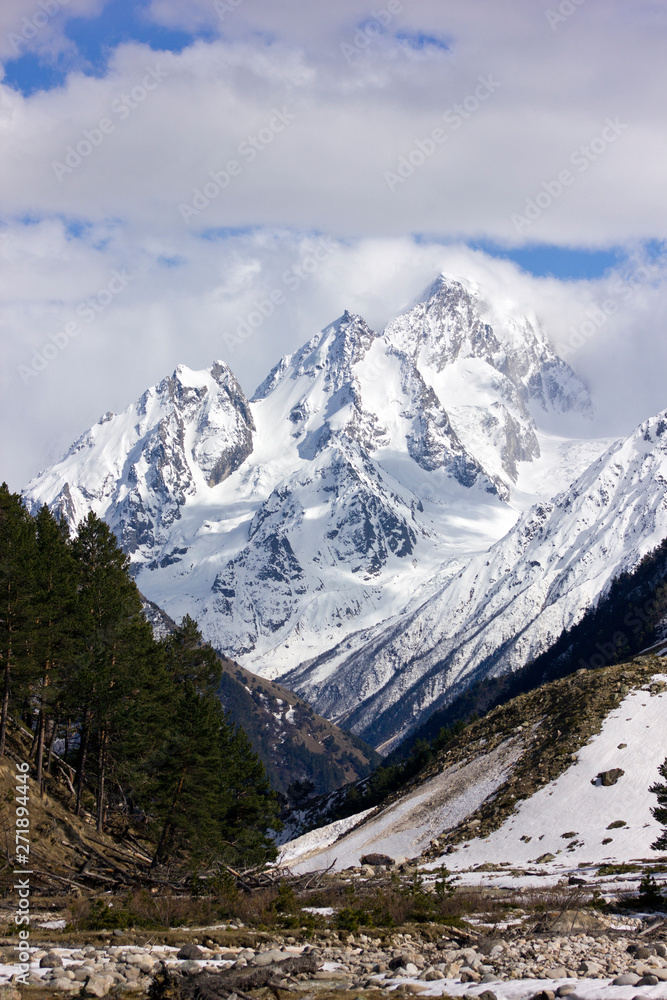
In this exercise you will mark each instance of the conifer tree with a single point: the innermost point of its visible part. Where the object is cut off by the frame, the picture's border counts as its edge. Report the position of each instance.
(17, 544)
(116, 642)
(248, 807)
(54, 601)
(209, 790)
(190, 659)
(660, 811)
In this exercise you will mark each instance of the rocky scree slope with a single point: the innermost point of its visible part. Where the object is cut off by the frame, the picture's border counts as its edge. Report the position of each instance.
(499, 766)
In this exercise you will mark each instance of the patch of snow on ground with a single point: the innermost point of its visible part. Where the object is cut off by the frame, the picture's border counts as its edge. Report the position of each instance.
(573, 805)
(406, 827)
(318, 839)
(526, 989)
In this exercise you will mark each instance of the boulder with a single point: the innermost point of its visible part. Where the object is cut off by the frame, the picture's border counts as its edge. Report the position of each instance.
(269, 957)
(589, 968)
(190, 952)
(377, 859)
(607, 778)
(191, 968)
(95, 986)
(627, 979)
(66, 985)
(559, 972)
(51, 961)
(575, 922)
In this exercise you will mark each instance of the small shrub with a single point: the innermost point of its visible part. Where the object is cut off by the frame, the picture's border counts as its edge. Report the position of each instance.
(610, 869)
(348, 919)
(649, 893)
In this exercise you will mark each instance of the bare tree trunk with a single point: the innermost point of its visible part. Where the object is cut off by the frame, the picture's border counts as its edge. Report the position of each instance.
(41, 729)
(41, 726)
(165, 836)
(5, 706)
(101, 769)
(35, 735)
(83, 753)
(52, 740)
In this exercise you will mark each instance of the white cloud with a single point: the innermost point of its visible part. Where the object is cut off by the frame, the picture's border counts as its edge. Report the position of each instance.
(353, 124)
(38, 26)
(207, 304)
(170, 120)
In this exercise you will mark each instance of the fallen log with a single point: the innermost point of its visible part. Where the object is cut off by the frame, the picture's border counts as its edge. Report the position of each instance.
(223, 985)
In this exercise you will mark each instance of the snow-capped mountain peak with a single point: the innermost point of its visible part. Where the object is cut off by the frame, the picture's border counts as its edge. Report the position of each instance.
(136, 469)
(368, 467)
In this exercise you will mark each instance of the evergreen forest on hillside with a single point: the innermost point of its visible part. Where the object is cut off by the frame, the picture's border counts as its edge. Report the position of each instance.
(137, 724)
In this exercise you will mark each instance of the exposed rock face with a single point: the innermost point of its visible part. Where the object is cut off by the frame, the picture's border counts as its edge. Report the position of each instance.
(137, 469)
(508, 605)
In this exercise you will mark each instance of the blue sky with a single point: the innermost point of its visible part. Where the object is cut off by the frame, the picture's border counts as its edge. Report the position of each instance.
(564, 263)
(220, 145)
(94, 39)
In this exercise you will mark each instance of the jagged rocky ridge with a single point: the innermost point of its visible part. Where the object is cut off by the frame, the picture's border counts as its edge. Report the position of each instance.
(356, 484)
(508, 605)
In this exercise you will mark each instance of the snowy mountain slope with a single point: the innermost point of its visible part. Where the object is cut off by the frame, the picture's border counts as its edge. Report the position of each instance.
(406, 827)
(611, 824)
(507, 605)
(490, 377)
(527, 814)
(137, 470)
(364, 473)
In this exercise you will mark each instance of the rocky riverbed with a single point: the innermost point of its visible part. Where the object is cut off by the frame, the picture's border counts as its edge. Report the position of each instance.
(576, 957)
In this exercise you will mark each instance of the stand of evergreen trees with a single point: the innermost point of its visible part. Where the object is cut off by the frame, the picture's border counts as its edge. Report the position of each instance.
(142, 726)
